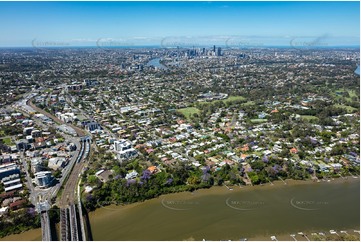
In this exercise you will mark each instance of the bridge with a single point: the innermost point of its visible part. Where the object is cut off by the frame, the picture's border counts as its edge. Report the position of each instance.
(45, 226)
(72, 224)
(71, 216)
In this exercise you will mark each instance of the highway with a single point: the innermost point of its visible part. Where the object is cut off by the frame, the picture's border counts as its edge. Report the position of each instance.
(47, 194)
(41, 198)
(29, 182)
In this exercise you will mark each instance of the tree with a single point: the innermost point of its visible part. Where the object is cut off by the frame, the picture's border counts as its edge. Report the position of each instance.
(257, 165)
(254, 178)
(193, 180)
(92, 180)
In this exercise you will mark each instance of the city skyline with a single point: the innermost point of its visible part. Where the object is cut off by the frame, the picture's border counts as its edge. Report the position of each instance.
(184, 24)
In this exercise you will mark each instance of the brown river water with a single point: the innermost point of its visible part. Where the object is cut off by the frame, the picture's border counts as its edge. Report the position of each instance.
(220, 213)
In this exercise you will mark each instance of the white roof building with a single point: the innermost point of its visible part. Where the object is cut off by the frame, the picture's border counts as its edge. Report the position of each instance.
(56, 163)
(131, 175)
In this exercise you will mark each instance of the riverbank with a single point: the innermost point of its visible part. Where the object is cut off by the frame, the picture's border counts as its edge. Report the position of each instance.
(222, 213)
(30, 235)
(232, 212)
(313, 235)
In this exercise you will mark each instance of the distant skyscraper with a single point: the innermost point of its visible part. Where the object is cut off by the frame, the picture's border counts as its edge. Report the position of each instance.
(214, 48)
(219, 51)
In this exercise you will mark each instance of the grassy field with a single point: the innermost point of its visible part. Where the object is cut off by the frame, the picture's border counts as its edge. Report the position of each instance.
(258, 120)
(348, 108)
(7, 141)
(249, 103)
(308, 117)
(234, 98)
(229, 99)
(352, 93)
(187, 112)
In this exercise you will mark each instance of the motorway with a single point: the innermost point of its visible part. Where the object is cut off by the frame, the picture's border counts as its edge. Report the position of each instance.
(41, 198)
(45, 195)
(73, 168)
(68, 195)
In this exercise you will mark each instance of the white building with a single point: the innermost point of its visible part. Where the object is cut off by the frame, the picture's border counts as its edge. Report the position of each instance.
(4, 210)
(56, 163)
(122, 145)
(12, 185)
(66, 117)
(124, 149)
(127, 154)
(36, 164)
(43, 179)
(131, 175)
(8, 169)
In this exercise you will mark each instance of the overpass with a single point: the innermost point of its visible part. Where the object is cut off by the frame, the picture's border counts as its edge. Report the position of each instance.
(45, 226)
(71, 224)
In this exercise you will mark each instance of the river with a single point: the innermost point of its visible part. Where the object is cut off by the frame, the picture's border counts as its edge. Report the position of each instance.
(30, 235)
(222, 214)
(156, 63)
(357, 71)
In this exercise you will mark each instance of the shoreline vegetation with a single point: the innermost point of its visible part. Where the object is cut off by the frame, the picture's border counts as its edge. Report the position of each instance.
(223, 189)
(102, 213)
(148, 184)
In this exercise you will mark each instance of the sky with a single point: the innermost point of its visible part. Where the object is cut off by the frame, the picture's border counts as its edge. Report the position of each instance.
(171, 24)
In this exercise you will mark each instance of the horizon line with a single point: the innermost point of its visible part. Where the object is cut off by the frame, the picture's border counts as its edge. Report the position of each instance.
(182, 47)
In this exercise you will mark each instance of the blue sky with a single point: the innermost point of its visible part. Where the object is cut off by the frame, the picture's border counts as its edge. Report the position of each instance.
(177, 23)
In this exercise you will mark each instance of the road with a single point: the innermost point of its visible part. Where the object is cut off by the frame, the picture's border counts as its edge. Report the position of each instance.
(66, 171)
(79, 131)
(29, 182)
(41, 198)
(45, 195)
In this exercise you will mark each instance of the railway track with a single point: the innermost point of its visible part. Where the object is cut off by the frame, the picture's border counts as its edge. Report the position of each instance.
(78, 130)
